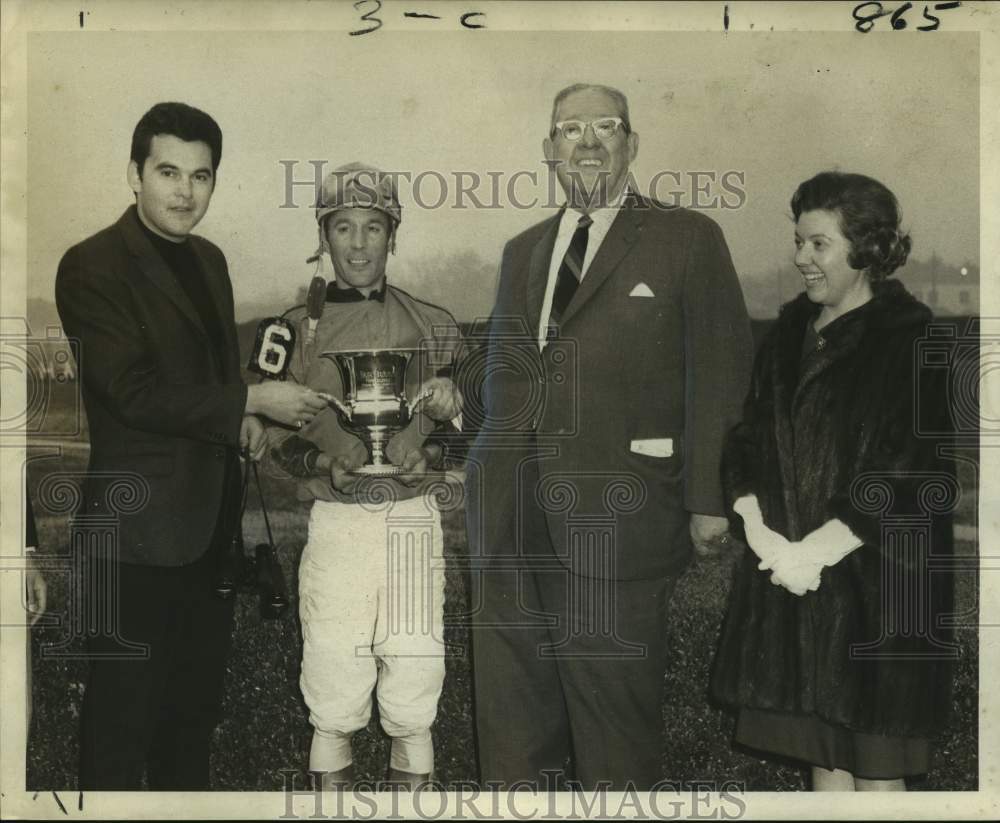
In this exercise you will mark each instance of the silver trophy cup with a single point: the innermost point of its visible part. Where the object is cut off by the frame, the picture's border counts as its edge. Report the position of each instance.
(375, 405)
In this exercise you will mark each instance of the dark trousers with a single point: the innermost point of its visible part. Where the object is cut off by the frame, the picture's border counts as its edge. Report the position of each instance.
(154, 713)
(568, 668)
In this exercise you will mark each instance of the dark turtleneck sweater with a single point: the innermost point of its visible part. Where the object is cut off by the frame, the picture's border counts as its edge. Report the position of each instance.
(183, 263)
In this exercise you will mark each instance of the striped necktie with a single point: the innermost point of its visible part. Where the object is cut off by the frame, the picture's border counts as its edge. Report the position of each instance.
(570, 273)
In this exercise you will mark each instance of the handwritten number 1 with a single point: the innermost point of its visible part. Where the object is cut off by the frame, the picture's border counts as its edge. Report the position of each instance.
(367, 16)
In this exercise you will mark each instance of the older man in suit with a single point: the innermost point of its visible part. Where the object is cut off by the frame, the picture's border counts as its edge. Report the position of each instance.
(152, 310)
(619, 351)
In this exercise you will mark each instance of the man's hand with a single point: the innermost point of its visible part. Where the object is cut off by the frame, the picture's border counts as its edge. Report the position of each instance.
(416, 463)
(36, 590)
(339, 468)
(288, 403)
(253, 436)
(708, 533)
(443, 401)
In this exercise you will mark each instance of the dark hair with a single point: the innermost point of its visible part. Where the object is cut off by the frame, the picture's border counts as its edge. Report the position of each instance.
(620, 100)
(869, 218)
(180, 120)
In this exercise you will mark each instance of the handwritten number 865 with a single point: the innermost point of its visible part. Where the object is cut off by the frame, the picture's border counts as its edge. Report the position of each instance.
(867, 13)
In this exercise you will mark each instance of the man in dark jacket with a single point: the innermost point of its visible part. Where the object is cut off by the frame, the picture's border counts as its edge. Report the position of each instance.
(152, 310)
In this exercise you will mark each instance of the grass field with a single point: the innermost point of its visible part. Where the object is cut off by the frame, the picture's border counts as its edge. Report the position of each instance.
(266, 728)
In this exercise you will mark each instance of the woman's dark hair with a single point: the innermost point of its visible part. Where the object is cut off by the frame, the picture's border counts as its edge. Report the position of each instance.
(869, 219)
(180, 120)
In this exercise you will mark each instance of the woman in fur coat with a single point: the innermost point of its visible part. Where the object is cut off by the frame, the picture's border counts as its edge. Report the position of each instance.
(831, 648)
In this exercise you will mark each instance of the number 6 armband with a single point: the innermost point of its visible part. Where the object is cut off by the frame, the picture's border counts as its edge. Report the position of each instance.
(272, 350)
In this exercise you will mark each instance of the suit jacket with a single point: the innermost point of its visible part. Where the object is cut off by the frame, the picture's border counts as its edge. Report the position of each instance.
(164, 408)
(671, 367)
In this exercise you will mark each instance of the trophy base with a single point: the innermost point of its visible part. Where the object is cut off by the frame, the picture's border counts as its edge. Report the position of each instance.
(377, 471)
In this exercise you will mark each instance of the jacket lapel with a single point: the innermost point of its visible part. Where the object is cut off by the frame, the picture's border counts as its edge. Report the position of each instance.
(219, 290)
(538, 273)
(152, 267)
(837, 343)
(622, 235)
(791, 377)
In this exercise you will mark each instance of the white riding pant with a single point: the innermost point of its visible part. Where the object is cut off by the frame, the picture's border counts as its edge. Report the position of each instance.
(371, 599)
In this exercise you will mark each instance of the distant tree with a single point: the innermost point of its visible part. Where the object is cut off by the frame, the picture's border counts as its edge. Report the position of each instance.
(462, 282)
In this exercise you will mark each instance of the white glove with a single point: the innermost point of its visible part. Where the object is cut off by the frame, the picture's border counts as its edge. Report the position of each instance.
(825, 546)
(831, 542)
(766, 543)
(795, 572)
(797, 576)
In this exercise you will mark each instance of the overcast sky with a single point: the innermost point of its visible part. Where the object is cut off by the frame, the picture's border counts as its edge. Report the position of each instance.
(776, 107)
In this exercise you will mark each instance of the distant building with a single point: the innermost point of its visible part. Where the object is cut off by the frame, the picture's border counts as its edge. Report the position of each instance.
(949, 290)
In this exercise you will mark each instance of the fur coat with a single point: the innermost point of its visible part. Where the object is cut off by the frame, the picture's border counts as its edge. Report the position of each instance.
(852, 432)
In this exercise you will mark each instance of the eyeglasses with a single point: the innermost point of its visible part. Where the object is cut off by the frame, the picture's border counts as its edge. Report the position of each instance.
(604, 129)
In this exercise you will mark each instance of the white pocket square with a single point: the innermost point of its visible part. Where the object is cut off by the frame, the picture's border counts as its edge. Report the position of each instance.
(654, 447)
(641, 290)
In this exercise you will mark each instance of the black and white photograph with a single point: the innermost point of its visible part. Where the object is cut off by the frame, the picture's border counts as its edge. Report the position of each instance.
(499, 409)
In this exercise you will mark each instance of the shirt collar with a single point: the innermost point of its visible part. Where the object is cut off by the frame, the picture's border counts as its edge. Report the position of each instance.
(336, 295)
(603, 216)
